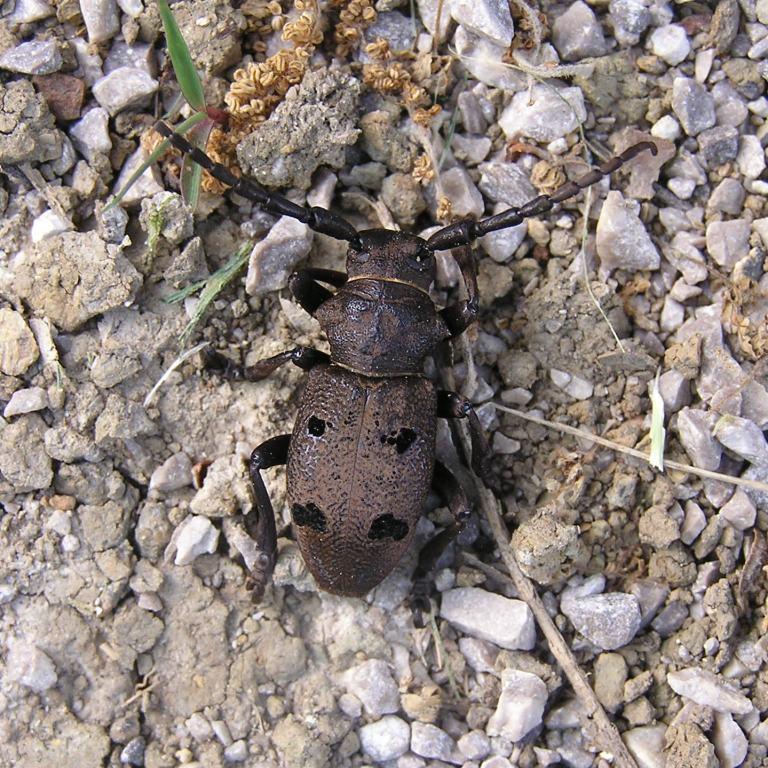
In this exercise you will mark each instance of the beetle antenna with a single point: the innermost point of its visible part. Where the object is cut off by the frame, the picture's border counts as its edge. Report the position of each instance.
(316, 218)
(465, 231)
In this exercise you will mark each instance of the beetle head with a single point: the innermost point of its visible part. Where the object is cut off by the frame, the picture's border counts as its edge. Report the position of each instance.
(387, 254)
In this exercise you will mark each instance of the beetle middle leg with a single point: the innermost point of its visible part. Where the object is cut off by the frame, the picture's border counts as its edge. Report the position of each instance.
(453, 406)
(260, 521)
(302, 357)
(448, 488)
(458, 317)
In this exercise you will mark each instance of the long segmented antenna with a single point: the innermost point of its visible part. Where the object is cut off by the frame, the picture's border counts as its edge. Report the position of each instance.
(459, 233)
(317, 219)
(465, 231)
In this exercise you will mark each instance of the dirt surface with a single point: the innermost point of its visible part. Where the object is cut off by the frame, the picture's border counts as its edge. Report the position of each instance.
(127, 632)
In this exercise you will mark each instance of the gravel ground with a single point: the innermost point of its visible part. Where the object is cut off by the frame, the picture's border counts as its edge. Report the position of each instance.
(128, 635)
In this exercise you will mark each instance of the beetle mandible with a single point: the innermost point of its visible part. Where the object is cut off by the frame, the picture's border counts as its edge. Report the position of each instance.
(361, 458)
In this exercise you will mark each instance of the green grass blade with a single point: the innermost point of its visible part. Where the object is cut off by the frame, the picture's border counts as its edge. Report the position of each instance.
(183, 66)
(183, 127)
(191, 172)
(658, 433)
(211, 288)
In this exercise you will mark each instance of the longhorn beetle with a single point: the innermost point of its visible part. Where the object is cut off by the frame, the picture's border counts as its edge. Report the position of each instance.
(361, 458)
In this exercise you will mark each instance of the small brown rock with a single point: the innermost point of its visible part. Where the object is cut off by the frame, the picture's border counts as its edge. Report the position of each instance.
(63, 93)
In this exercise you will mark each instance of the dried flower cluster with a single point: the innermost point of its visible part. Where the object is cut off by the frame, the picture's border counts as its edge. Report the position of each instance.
(423, 171)
(354, 17)
(259, 87)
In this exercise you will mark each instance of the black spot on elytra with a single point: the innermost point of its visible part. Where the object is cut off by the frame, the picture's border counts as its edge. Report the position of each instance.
(310, 515)
(315, 426)
(403, 439)
(387, 527)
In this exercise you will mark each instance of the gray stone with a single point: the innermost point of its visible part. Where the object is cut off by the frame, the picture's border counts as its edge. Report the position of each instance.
(490, 19)
(608, 621)
(213, 44)
(500, 620)
(27, 130)
(27, 11)
(398, 30)
(728, 241)
(630, 19)
(739, 511)
(194, 536)
(742, 437)
(74, 276)
(543, 113)
(102, 19)
(506, 183)
(694, 523)
(147, 185)
(694, 427)
(26, 401)
(622, 240)
(675, 391)
(18, 348)
(458, 187)
(693, 105)
(521, 705)
(30, 469)
(646, 745)
(124, 88)
(609, 677)
(429, 741)
(90, 134)
(718, 145)
(173, 474)
(166, 214)
(483, 60)
(386, 739)
(727, 197)
(372, 683)
(37, 57)
(709, 690)
(670, 43)
(670, 619)
(111, 224)
(577, 34)
(28, 665)
(320, 117)
(731, 744)
(274, 257)
(474, 745)
(133, 752)
(751, 157)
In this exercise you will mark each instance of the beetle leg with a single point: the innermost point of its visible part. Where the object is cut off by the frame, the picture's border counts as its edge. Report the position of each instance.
(260, 521)
(448, 488)
(307, 291)
(302, 357)
(452, 406)
(458, 317)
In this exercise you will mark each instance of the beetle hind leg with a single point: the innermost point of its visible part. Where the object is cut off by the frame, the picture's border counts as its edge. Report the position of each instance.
(448, 488)
(260, 521)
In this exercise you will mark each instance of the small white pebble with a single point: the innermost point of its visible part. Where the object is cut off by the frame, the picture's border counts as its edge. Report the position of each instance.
(666, 127)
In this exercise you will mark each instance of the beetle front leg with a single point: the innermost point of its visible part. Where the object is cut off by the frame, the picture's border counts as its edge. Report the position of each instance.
(452, 406)
(302, 357)
(260, 521)
(448, 488)
(308, 292)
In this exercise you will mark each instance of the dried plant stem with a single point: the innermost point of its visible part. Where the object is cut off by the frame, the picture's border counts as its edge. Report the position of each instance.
(607, 736)
(755, 485)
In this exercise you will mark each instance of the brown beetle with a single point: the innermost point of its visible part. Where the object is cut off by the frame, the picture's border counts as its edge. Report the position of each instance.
(361, 458)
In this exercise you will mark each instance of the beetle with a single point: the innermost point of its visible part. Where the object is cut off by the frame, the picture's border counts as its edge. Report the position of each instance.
(361, 457)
